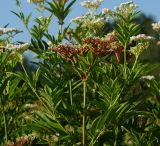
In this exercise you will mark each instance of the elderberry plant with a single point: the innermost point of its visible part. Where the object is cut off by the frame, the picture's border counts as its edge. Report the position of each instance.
(91, 88)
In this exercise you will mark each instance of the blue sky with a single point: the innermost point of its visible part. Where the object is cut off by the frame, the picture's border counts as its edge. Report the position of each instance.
(150, 7)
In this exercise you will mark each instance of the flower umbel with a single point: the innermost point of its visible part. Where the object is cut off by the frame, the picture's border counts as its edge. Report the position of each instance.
(17, 48)
(91, 5)
(68, 52)
(141, 38)
(126, 8)
(8, 30)
(156, 26)
(107, 11)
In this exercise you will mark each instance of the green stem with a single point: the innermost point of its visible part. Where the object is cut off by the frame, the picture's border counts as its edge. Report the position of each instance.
(134, 64)
(95, 139)
(60, 25)
(125, 61)
(70, 91)
(84, 115)
(5, 128)
(116, 136)
(60, 28)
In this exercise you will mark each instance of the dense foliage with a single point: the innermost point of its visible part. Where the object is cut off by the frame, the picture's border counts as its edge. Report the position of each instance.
(90, 88)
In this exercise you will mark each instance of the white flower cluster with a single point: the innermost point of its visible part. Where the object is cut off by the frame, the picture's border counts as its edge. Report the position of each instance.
(156, 26)
(35, 1)
(19, 47)
(8, 30)
(91, 5)
(28, 137)
(107, 11)
(149, 77)
(86, 22)
(96, 23)
(141, 37)
(79, 19)
(28, 105)
(158, 43)
(127, 7)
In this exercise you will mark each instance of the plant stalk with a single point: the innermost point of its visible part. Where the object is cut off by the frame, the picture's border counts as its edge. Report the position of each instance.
(60, 28)
(116, 136)
(135, 63)
(125, 61)
(5, 128)
(70, 91)
(84, 115)
(60, 25)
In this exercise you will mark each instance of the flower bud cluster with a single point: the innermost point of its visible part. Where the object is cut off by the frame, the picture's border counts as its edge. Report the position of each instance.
(156, 26)
(91, 5)
(8, 30)
(106, 45)
(102, 46)
(23, 140)
(69, 128)
(68, 52)
(139, 48)
(99, 46)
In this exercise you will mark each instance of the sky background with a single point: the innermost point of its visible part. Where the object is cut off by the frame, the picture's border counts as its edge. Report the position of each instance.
(149, 7)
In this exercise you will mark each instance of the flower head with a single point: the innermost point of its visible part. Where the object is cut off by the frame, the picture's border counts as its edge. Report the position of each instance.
(156, 26)
(139, 48)
(103, 46)
(141, 37)
(149, 77)
(158, 43)
(127, 7)
(17, 48)
(91, 5)
(107, 11)
(8, 30)
(91, 23)
(69, 52)
(79, 19)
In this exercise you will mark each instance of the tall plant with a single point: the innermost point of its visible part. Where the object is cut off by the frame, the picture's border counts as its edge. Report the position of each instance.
(90, 87)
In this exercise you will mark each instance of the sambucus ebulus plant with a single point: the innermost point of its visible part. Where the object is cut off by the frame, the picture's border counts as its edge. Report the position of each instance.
(90, 88)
